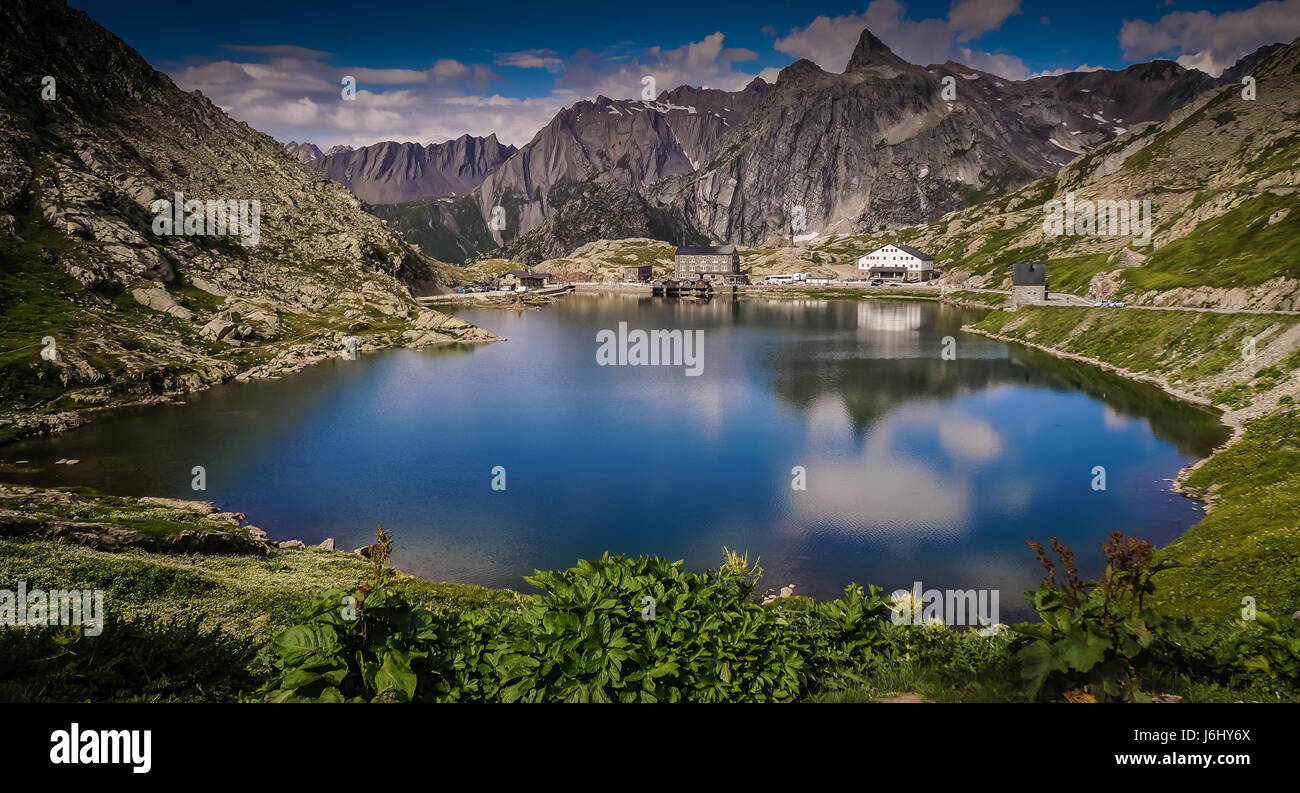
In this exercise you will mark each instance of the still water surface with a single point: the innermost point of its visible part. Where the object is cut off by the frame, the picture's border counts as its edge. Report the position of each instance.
(917, 468)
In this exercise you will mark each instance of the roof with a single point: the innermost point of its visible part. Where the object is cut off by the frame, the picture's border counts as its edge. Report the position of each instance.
(906, 249)
(706, 250)
(1028, 274)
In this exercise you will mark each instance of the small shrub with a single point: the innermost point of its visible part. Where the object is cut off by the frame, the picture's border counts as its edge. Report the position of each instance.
(1092, 631)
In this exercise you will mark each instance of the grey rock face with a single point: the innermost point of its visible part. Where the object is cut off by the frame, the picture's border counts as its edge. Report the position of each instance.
(636, 143)
(218, 328)
(161, 300)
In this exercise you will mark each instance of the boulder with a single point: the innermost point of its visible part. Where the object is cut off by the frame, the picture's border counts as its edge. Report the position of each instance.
(205, 507)
(327, 544)
(162, 300)
(217, 328)
(208, 286)
(227, 518)
(292, 544)
(214, 543)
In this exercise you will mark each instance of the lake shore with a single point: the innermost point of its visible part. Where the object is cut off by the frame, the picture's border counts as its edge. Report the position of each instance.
(430, 328)
(1247, 545)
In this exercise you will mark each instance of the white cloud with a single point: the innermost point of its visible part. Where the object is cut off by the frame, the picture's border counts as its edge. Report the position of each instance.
(618, 75)
(829, 41)
(294, 93)
(279, 50)
(1083, 67)
(972, 18)
(1212, 42)
(530, 59)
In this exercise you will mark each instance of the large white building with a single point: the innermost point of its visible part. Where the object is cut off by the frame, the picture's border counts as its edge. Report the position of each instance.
(897, 262)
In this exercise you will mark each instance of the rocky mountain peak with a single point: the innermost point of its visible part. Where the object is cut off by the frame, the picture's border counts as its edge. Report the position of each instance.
(871, 51)
(303, 152)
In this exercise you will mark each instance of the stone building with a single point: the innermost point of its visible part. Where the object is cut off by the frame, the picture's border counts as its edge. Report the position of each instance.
(525, 278)
(710, 262)
(1028, 282)
(636, 273)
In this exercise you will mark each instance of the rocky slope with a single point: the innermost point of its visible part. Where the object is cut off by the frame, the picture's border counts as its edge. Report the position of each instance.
(606, 209)
(123, 312)
(392, 173)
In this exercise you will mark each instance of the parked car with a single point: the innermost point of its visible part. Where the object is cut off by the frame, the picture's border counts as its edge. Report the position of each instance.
(878, 282)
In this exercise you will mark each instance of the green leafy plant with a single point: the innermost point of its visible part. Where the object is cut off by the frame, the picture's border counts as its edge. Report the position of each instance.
(1273, 649)
(593, 636)
(613, 629)
(370, 644)
(1093, 632)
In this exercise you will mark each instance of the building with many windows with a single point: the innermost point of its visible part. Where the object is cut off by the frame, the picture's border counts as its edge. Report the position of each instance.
(712, 263)
(897, 262)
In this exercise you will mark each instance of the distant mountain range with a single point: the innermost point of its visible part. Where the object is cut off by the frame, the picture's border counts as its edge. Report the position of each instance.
(886, 144)
(391, 173)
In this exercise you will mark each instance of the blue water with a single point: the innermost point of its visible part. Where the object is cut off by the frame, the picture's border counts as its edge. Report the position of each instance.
(917, 468)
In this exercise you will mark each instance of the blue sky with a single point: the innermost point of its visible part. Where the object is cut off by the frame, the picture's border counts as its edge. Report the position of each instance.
(432, 71)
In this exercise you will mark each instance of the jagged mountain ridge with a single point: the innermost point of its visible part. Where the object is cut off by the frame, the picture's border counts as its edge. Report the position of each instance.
(393, 173)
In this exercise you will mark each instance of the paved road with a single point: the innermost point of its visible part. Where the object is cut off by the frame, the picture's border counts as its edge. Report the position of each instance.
(1062, 298)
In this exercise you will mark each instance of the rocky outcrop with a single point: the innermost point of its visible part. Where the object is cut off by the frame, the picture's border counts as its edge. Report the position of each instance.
(606, 210)
(434, 327)
(162, 300)
(194, 526)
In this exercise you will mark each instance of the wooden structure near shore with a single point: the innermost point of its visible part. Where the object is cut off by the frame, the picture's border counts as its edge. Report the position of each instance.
(687, 287)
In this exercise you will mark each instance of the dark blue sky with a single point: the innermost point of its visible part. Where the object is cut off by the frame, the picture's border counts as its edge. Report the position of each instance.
(542, 54)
